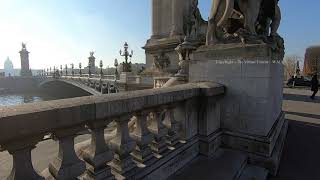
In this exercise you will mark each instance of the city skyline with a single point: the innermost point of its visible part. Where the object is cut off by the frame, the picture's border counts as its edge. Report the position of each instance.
(58, 32)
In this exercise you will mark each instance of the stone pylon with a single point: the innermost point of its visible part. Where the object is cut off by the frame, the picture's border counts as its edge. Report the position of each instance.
(24, 56)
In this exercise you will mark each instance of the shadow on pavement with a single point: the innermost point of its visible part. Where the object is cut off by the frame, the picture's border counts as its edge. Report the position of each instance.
(316, 116)
(297, 97)
(301, 154)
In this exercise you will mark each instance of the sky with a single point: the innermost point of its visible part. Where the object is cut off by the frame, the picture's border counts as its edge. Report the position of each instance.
(65, 31)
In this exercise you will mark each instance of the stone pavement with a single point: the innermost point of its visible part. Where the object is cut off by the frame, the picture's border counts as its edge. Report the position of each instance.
(300, 159)
(300, 156)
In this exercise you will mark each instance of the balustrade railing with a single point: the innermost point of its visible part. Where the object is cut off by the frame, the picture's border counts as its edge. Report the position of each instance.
(157, 132)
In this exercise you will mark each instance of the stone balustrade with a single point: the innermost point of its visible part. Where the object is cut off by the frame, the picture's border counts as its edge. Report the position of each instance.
(164, 131)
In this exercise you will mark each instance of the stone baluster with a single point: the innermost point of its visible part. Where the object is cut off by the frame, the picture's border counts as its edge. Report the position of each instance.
(159, 131)
(143, 138)
(122, 164)
(22, 163)
(172, 125)
(67, 165)
(98, 153)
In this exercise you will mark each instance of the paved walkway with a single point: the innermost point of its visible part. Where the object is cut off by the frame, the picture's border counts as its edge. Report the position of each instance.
(301, 155)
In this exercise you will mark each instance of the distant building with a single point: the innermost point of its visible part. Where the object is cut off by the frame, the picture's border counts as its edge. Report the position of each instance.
(8, 68)
(312, 61)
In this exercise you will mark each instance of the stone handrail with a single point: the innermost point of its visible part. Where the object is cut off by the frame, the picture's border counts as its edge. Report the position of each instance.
(23, 126)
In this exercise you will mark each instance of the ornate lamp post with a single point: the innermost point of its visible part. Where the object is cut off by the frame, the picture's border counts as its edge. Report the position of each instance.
(101, 65)
(66, 67)
(116, 64)
(54, 71)
(80, 72)
(89, 67)
(61, 70)
(72, 69)
(126, 66)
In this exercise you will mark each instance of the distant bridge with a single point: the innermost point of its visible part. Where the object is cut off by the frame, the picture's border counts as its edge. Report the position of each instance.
(71, 86)
(91, 86)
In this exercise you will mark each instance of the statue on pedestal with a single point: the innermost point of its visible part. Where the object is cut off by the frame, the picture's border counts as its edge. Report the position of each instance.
(91, 63)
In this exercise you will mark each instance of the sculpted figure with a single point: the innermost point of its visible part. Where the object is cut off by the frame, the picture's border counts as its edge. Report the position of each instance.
(222, 10)
(269, 18)
(254, 17)
(23, 45)
(193, 20)
(161, 61)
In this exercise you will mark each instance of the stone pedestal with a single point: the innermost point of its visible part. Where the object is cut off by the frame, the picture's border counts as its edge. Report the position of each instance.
(124, 76)
(253, 75)
(251, 110)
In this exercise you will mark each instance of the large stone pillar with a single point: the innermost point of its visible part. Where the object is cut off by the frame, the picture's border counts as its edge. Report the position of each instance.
(177, 17)
(24, 56)
(156, 21)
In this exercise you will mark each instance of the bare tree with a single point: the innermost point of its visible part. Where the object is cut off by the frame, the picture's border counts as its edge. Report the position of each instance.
(289, 64)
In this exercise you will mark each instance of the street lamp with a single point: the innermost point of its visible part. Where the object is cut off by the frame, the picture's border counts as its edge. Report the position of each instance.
(72, 71)
(54, 71)
(80, 66)
(101, 65)
(116, 64)
(89, 66)
(66, 67)
(126, 66)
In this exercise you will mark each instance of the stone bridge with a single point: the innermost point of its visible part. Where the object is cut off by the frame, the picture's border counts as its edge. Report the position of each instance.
(89, 86)
(164, 118)
(69, 86)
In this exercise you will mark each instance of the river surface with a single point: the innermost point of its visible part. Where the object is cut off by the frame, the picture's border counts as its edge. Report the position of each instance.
(16, 99)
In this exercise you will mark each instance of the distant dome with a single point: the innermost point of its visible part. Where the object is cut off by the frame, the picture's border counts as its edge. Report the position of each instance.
(8, 64)
(312, 60)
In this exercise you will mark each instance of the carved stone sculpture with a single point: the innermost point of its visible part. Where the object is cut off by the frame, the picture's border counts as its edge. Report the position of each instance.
(248, 21)
(161, 61)
(193, 21)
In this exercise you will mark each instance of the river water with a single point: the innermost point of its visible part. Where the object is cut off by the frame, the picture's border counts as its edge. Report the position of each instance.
(16, 99)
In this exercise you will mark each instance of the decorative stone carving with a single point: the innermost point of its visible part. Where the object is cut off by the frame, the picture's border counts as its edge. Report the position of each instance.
(161, 61)
(184, 50)
(193, 22)
(243, 21)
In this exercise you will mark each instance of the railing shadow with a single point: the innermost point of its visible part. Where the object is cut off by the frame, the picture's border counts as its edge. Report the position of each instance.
(303, 98)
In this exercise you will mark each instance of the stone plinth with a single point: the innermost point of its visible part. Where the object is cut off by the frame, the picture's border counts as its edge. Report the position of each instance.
(253, 75)
(124, 76)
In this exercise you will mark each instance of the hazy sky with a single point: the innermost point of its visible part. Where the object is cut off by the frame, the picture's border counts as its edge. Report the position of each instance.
(64, 31)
